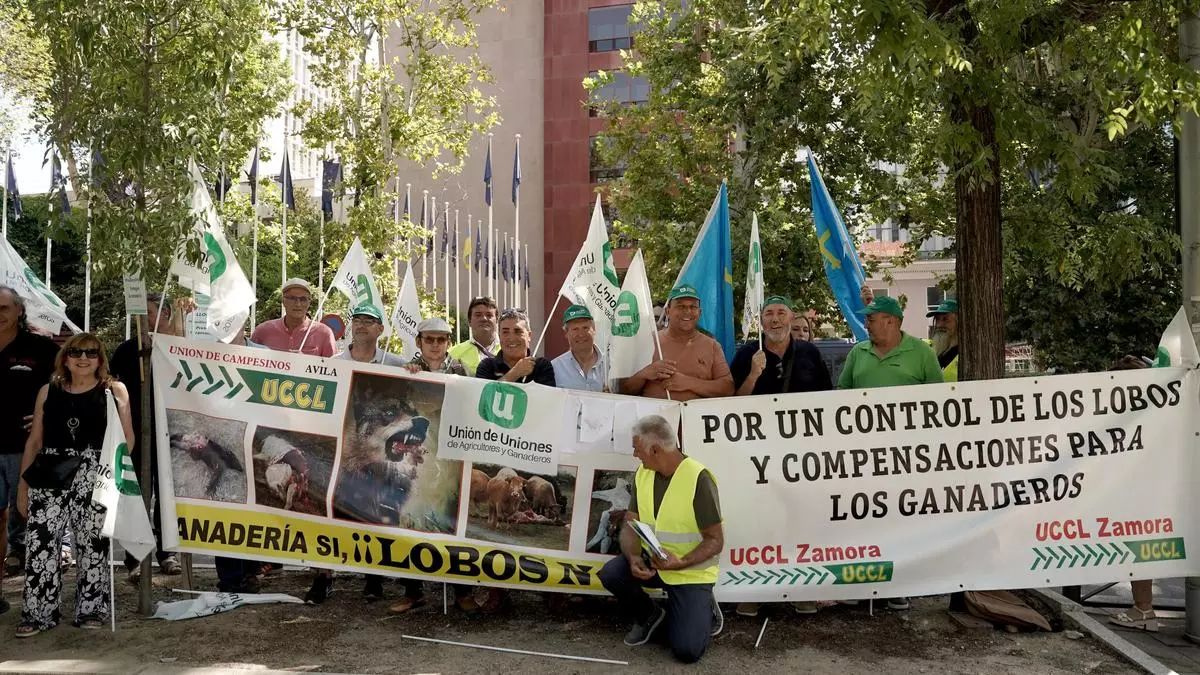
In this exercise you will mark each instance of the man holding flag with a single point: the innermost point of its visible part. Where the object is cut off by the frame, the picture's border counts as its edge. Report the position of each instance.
(775, 363)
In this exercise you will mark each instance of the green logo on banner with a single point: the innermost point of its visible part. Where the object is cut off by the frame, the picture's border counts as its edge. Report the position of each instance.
(1152, 550)
(289, 391)
(217, 267)
(503, 404)
(628, 320)
(756, 256)
(1162, 358)
(124, 475)
(610, 270)
(862, 573)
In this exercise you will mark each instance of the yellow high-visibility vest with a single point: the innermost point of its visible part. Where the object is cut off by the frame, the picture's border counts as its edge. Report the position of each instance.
(675, 522)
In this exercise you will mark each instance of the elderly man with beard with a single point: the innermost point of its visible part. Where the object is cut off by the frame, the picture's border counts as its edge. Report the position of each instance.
(692, 364)
(481, 315)
(944, 337)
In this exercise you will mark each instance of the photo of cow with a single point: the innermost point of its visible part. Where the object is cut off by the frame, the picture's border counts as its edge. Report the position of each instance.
(521, 508)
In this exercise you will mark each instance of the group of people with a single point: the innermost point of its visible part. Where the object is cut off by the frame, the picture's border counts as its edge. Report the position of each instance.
(47, 473)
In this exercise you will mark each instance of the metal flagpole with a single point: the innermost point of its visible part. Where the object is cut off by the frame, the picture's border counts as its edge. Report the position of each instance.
(433, 214)
(470, 266)
(87, 269)
(508, 291)
(408, 240)
(283, 199)
(517, 218)
(396, 223)
(425, 240)
(49, 245)
(321, 235)
(457, 284)
(7, 181)
(446, 257)
(491, 240)
(527, 284)
(254, 239)
(482, 259)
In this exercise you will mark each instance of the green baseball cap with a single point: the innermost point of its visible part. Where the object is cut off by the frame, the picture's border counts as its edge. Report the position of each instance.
(683, 291)
(886, 305)
(777, 300)
(367, 309)
(576, 312)
(948, 306)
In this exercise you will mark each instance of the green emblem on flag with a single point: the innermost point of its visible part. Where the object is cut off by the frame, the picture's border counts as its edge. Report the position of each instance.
(364, 291)
(124, 473)
(218, 265)
(627, 320)
(610, 270)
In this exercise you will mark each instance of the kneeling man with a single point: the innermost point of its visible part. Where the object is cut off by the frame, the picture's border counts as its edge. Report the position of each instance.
(676, 497)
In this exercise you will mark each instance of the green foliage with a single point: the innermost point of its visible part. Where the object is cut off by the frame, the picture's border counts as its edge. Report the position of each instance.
(24, 65)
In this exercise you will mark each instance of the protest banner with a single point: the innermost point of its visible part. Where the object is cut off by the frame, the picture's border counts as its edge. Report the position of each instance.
(1016, 483)
(833, 495)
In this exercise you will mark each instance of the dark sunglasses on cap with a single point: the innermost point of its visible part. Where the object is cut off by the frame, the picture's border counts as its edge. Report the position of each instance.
(514, 313)
(77, 353)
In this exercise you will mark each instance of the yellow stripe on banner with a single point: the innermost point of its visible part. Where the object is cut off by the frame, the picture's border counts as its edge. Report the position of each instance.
(252, 534)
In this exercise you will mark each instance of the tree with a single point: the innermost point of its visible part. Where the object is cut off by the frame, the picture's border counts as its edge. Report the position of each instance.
(148, 85)
(24, 66)
(403, 81)
(963, 95)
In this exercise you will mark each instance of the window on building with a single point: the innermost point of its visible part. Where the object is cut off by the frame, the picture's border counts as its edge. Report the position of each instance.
(623, 88)
(882, 292)
(609, 29)
(934, 297)
(598, 172)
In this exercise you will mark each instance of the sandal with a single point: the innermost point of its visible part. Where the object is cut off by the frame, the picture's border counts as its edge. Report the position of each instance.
(170, 566)
(26, 630)
(1136, 619)
(406, 604)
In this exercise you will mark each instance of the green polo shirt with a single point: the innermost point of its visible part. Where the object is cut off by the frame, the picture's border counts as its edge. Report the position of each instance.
(911, 362)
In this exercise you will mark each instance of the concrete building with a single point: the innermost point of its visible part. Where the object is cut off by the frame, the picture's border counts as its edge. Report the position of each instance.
(918, 282)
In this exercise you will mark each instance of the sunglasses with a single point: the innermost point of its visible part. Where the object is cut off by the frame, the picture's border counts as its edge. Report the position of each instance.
(77, 353)
(514, 313)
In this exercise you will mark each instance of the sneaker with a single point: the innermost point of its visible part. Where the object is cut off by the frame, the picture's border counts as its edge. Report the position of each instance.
(170, 566)
(322, 588)
(718, 619)
(747, 608)
(804, 607)
(641, 632)
(898, 604)
(373, 589)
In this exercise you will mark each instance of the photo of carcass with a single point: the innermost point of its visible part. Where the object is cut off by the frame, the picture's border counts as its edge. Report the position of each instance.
(519, 508)
(207, 457)
(611, 493)
(292, 470)
(389, 472)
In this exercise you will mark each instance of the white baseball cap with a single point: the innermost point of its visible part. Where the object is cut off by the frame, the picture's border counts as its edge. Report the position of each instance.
(296, 282)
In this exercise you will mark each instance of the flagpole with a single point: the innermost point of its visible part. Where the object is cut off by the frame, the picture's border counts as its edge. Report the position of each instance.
(283, 199)
(446, 257)
(408, 240)
(254, 238)
(505, 287)
(321, 255)
(396, 224)
(457, 285)
(470, 263)
(546, 324)
(524, 280)
(49, 245)
(433, 212)
(424, 239)
(491, 239)
(87, 269)
(517, 218)
(8, 179)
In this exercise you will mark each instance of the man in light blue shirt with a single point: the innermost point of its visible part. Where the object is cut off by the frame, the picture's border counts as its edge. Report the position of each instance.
(582, 367)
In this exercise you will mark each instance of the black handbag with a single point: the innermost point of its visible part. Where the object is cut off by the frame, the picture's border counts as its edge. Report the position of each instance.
(52, 472)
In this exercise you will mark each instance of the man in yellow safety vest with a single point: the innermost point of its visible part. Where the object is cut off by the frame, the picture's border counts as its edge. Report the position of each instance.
(675, 498)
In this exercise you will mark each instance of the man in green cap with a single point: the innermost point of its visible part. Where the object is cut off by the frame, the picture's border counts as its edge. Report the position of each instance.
(692, 365)
(775, 363)
(582, 366)
(366, 325)
(891, 358)
(943, 336)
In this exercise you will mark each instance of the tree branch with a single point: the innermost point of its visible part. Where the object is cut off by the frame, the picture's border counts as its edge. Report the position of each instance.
(1055, 22)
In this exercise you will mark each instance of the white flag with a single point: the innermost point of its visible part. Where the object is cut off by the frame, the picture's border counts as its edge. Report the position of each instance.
(407, 314)
(592, 280)
(355, 281)
(43, 309)
(755, 291)
(116, 489)
(632, 343)
(1177, 347)
(220, 276)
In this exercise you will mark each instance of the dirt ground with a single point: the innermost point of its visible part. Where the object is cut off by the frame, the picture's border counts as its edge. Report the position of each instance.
(348, 635)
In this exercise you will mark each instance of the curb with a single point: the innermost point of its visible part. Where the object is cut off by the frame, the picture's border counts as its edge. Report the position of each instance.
(1073, 615)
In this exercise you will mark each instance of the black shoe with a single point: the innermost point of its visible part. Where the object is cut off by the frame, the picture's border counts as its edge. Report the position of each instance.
(249, 585)
(373, 589)
(322, 588)
(642, 631)
(4, 606)
(718, 619)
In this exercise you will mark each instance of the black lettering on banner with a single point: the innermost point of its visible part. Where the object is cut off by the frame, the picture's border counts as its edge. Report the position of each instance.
(760, 464)
(508, 566)
(463, 561)
(711, 424)
(582, 574)
(533, 570)
(271, 540)
(417, 558)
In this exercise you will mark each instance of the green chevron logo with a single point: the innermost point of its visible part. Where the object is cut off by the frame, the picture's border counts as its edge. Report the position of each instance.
(1096, 555)
(194, 376)
(851, 573)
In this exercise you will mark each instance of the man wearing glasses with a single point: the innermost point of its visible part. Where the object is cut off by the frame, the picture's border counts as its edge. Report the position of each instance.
(481, 315)
(294, 329)
(366, 323)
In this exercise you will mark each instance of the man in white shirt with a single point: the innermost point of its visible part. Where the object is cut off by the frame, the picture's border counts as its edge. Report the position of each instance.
(582, 366)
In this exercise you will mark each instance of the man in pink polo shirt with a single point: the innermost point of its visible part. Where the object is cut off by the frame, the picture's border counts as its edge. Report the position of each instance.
(288, 333)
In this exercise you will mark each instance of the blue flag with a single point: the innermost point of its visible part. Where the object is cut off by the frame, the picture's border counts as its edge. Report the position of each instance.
(331, 175)
(59, 185)
(842, 266)
(487, 176)
(14, 196)
(516, 183)
(285, 178)
(709, 268)
(252, 176)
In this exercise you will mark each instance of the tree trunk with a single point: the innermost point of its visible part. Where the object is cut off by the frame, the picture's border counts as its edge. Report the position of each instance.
(979, 265)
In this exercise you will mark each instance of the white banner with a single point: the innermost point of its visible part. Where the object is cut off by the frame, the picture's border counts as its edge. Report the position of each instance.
(1017, 483)
(515, 425)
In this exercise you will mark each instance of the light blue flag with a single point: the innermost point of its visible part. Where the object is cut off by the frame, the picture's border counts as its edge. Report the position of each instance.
(842, 266)
(709, 268)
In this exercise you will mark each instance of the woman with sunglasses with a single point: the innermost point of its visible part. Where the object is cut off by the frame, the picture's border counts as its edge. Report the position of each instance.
(58, 472)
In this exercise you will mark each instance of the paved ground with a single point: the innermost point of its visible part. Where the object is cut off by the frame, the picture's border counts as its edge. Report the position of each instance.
(1168, 645)
(348, 635)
